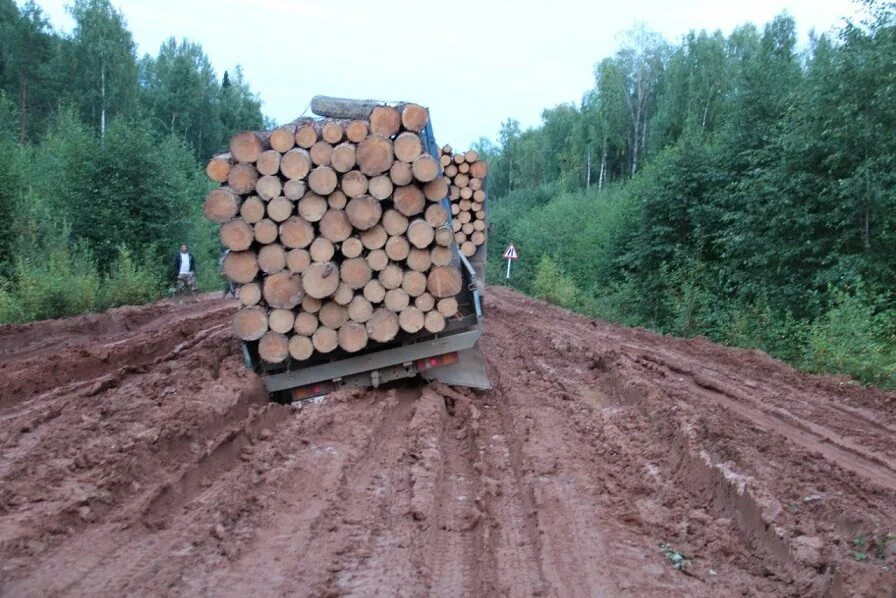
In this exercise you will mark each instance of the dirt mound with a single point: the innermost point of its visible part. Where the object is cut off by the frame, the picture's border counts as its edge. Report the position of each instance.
(137, 455)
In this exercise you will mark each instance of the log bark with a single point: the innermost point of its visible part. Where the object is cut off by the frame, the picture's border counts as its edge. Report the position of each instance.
(436, 189)
(382, 325)
(414, 117)
(300, 348)
(324, 340)
(377, 259)
(250, 323)
(252, 209)
(335, 226)
(414, 283)
(352, 337)
(321, 280)
(419, 260)
(380, 187)
(250, 294)
(296, 232)
(294, 189)
(265, 231)
(298, 260)
(409, 200)
(352, 247)
(385, 121)
(312, 207)
(436, 215)
(396, 300)
(271, 259)
(374, 238)
(242, 178)
(268, 162)
(241, 267)
(283, 138)
(332, 315)
(397, 248)
(343, 157)
(344, 294)
(374, 155)
(391, 277)
(411, 319)
(283, 290)
(322, 180)
(374, 291)
(357, 130)
(295, 164)
(441, 256)
(246, 146)
(360, 309)
(407, 147)
(321, 250)
(364, 212)
(279, 209)
(333, 107)
(268, 187)
(434, 322)
(221, 205)
(444, 281)
(218, 168)
(273, 347)
(320, 153)
(305, 323)
(281, 320)
(237, 235)
(332, 132)
(425, 168)
(306, 135)
(400, 173)
(420, 234)
(425, 302)
(355, 272)
(394, 223)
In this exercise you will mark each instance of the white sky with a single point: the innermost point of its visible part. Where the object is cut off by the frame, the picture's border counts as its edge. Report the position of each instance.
(474, 63)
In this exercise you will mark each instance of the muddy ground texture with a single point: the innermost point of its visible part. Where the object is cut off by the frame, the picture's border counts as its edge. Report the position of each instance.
(139, 456)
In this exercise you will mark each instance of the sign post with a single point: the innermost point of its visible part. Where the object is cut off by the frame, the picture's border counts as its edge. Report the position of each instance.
(510, 254)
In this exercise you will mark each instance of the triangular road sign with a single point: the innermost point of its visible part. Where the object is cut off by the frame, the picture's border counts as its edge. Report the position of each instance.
(510, 253)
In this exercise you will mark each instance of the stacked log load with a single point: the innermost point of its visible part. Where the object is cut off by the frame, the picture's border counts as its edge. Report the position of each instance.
(338, 233)
(465, 174)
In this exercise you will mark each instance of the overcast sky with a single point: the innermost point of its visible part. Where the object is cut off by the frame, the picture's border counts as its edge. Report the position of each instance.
(474, 63)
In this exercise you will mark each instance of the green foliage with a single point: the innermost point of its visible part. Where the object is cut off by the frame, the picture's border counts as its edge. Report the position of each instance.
(552, 285)
(129, 283)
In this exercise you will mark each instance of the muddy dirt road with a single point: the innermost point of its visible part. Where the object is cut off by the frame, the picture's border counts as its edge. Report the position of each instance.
(139, 457)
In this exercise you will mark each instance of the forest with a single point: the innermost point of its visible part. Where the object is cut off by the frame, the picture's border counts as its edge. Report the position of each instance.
(101, 160)
(738, 187)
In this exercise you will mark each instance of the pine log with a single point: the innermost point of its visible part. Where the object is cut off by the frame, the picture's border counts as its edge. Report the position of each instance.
(400, 173)
(460, 237)
(407, 147)
(265, 231)
(425, 168)
(246, 146)
(300, 348)
(322, 180)
(395, 223)
(425, 302)
(363, 212)
(320, 153)
(436, 215)
(296, 232)
(441, 256)
(377, 259)
(352, 337)
(355, 272)
(218, 168)
(409, 200)
(374, 291)
(447, 307)
(414, 117)
(252, 209)
(444, 281)
(306, 135)
(240, 266)
(306, 323)
(268, 187)
(283, 138)
(298, 260)
(454, 192)
(356, 131)
(459, 159)
(382, 325)
(446, 149)
(352, 247)
(468, 248)
(397, 248)
(250, 293)
(273, 347)
(464, 217)
(344, 294)
(380, 187)
(294, 189)
(451, 171)
(445, 160)
(434, 322)
(295, 164)
(354, 183)
(237, 235)
(242, 178)
(374, 238)
(279, 209)
(465, 204)
(478, 238)
(268, 162)
(411, 319)
(456, 224)
(321, 280)
(321, 250)
(311, 305)
(436, 189)
(281, 320)
(325, 340)
(332, 315)
(374, 155)
(475, 184)
(414, 283)
(444, 237)
(221, 205)
(479, 195)
(335, 226)
(479, 169)
(332, 132)
(466, 193)
(343, 157)
(467, 229)
(455, 209)
(250, 323)
(337, 200)
(479, 226)
(419, 260)
(282, 290)
(385, 121)
(396, 300)
(420, 234)
(312, 207)
(464, 168)
(271, 258)
(360, 309)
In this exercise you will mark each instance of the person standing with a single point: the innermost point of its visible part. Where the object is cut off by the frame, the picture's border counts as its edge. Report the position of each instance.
(185, 268)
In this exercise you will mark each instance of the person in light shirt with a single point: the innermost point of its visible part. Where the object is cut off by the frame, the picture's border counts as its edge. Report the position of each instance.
(185, 268)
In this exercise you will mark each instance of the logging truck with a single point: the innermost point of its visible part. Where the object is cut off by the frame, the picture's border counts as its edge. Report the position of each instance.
(347, 277)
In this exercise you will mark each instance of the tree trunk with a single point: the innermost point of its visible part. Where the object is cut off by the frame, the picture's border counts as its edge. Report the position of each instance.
(242, 178)
(374, 291)
(414, 283)
(380, 187)
(240, 266)
(396, 300)
(296, 232)
(265, 231)
(296, 163)
(360, 309)
(343, 157)
(279, 209)
(385, 121)
(252, 209)
(425, 168)
(283, 290)
(409, 200)
(382, 325)
(268, 162)
(444, 281)
(301, 348)
(281, 320)
(374, 155)
(332, 315)
(321, 250)
(325, 340)
(246, 146)
(391, 277)
(312, 207)
(218, 168)
(237, 235)
(268, 187)
(420, 234)
(434, 322)
(250, 323)
(352, 337)
(298, 260)
(250, 294)
(411, 320)
(283, 139)
(321, 280)
(305, 323)
(397, 248)
(335, 226)
(408, 147)
(414, 117)
(355, 272)
(273, 347)
(363, 212)
(373, 238)
(322, 180)
(221, 205)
